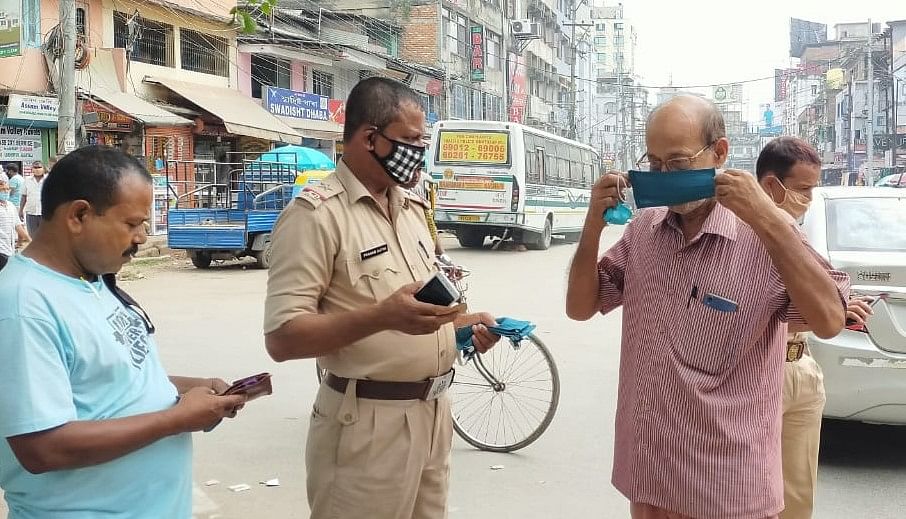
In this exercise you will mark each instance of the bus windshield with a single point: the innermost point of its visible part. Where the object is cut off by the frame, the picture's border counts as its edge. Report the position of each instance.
(489, 148)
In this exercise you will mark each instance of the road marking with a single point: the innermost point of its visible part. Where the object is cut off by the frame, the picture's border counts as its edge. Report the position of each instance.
(856, 362)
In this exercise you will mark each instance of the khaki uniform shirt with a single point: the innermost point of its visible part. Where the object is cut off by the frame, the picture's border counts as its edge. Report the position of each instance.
(334, 250)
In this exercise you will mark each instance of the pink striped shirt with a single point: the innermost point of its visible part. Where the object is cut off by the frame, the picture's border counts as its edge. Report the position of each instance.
(699, 405)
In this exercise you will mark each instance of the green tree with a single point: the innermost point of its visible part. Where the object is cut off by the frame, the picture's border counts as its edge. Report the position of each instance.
(244, 17)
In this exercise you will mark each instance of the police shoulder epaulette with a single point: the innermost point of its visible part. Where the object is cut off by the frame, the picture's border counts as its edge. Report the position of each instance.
(415, 198)
(314, 196)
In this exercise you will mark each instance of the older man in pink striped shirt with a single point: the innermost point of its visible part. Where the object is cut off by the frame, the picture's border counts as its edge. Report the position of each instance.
(698, 412)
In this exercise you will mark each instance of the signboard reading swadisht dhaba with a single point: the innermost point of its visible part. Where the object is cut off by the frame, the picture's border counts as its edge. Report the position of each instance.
(476, 147)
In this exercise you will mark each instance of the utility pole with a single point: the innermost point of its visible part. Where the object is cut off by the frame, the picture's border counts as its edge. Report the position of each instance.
(574, 45)
(621, 126)
(505, 48)
(892, 121)
(66, 127)
(869, 128)
(632, 153)
(572, 74)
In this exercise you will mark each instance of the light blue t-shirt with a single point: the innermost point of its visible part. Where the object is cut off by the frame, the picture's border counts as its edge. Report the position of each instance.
(15, 190)
(69, 350)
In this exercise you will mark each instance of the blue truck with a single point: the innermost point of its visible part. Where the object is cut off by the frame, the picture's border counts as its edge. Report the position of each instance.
(222, 210)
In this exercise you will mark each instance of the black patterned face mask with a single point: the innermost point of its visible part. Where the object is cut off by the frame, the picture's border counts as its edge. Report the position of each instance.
(404, 161)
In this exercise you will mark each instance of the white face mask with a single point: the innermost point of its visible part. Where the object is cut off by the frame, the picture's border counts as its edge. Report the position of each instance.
(689, 207)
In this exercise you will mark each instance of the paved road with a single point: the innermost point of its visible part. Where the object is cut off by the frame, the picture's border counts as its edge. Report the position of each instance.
(209, 324)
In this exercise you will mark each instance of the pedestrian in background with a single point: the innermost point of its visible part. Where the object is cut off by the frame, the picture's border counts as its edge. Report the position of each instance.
(30, 210)
(16, 185)
(12, 230)
(789, 169)
(706, 287)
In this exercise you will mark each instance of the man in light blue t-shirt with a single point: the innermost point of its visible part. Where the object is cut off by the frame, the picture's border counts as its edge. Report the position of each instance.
(16, 184)
(93, 426)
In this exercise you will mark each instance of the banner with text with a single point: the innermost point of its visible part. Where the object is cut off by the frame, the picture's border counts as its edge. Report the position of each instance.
(477, 53)
(21, 145)
(474, 147)
(297, 105)
(10, 28)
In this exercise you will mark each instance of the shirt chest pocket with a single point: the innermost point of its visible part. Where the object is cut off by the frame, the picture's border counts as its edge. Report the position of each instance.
(705, 340)
(378, 276)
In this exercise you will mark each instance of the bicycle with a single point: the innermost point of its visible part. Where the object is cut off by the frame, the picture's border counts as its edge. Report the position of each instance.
(505, 399)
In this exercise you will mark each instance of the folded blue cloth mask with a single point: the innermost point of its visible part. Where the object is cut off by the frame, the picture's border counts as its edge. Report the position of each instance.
(621, 213)
(666, 188)
(513, 329)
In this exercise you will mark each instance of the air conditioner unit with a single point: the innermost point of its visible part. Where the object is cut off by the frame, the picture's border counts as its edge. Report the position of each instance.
(523, 29)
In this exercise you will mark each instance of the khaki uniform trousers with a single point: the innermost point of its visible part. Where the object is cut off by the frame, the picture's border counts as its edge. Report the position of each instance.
(803, 405)
(378, 458)
(645, 511)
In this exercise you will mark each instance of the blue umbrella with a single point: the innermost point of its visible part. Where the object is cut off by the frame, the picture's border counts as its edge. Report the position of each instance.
(303, 158)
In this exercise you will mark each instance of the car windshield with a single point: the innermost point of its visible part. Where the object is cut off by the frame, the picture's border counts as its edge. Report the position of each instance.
(866, 224)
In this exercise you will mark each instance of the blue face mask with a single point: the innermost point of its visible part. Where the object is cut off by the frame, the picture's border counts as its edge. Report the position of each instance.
(619, 214)
(4, 197)
(671, 188)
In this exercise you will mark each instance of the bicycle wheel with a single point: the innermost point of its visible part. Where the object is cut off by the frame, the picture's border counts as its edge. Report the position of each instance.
(506, 398)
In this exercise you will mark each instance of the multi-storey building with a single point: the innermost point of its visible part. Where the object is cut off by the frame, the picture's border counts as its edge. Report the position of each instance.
(621, 106)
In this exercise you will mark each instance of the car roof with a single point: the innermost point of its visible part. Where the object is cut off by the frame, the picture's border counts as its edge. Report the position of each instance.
(837, 192)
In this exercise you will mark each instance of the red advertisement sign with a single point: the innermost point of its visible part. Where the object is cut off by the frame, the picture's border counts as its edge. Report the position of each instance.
(337, 109)
(518, 88)
(477, 61)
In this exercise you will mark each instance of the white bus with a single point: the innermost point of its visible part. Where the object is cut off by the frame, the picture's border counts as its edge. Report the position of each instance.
(509, 180)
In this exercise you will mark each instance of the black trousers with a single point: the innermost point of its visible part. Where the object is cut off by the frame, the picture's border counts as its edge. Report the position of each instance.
(3, 259)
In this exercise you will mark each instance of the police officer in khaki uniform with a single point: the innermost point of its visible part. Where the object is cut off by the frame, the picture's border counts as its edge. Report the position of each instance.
(347, 259)
(788, 169)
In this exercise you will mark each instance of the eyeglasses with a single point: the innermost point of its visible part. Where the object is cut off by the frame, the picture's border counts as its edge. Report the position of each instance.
(675, 164)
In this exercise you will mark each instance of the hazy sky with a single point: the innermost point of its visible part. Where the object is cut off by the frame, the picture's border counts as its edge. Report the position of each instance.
(704, 42)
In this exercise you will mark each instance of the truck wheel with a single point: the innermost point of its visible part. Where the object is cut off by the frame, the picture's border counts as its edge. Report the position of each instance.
(200, 259)
(263, 257)
(542, 240)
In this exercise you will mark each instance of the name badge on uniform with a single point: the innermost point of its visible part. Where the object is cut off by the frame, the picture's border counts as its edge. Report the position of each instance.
(376, 251)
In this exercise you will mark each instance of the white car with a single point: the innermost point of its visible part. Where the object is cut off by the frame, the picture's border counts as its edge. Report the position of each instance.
(862, 231)
(898, 180)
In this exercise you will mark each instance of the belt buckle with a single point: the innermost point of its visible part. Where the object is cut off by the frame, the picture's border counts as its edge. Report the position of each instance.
(439, 385)
(794, 351)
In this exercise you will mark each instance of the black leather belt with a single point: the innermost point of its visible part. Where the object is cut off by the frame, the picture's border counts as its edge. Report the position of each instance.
(380, 390)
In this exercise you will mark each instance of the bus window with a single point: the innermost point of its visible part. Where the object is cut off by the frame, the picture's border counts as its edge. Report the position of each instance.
(587, 169)
(558, 163)
(575, 167)
(532, 158)
(542, 172)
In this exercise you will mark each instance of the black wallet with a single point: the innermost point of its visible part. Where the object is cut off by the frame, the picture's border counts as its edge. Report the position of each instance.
(438, 291)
